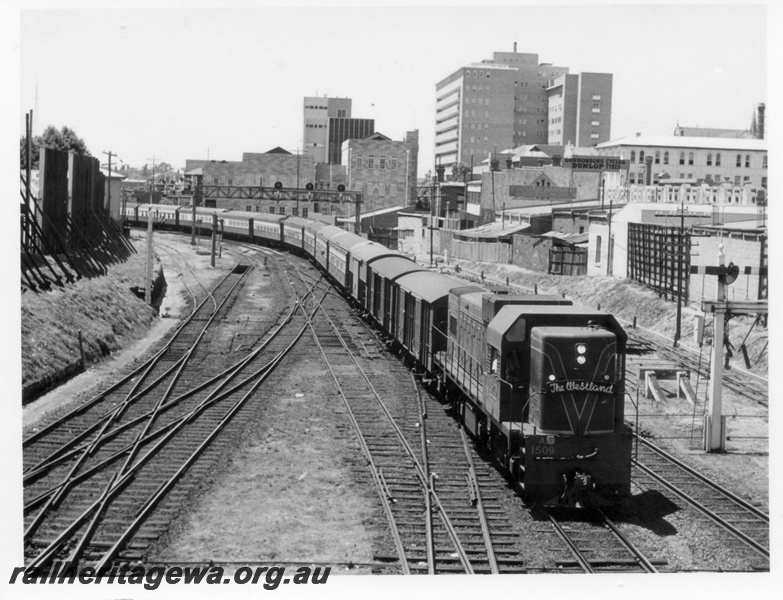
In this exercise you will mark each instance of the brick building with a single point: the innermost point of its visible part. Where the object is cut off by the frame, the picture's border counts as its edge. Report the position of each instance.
(505, 101)
(384, 170)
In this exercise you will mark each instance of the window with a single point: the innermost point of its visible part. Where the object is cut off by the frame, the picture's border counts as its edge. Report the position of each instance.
(382, 162)
(717, 159)
(216, 181)
(690, 158)
(358, 161)
(230, 182)
(739, 160)
(295, 211)
(682, 158)
(657, 157)
(641, 156)
(633, 156)
(764, 162)
(746, 179)
(736, 180)
(248, 208)
(666, 157)
(340, 113)
(371, 162)
(598, 250)
(393, 162)
(709, 159)
(271, 210)
(747, 161)
(315, 207)
(304, 213)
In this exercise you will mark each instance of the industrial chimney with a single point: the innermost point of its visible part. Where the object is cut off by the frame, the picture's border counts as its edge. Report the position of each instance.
(761, 110)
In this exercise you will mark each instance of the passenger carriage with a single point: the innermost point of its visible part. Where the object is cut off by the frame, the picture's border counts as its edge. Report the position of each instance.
(340, 249)
(322, 237)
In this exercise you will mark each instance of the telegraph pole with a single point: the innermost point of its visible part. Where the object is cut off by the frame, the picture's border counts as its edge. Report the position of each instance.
(109, 153)
(148, 287)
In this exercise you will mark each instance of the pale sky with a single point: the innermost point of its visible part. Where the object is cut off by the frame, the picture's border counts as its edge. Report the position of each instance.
(187, 82)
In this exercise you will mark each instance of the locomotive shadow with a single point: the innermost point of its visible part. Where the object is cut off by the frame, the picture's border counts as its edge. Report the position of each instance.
(648, 510)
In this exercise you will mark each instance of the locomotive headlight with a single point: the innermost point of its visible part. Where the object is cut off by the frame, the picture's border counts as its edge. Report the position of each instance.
(581, 348)
(581, 359)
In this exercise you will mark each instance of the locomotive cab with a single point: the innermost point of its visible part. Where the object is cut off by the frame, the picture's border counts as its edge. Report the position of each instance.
(556, 374)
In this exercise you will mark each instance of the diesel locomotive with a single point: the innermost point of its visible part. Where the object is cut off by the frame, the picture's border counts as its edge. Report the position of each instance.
(539, 381)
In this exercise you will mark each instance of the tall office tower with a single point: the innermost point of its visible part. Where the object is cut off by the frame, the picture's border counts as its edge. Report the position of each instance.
(580, 109)
(327, 124)
(497, 104)
(317, 112)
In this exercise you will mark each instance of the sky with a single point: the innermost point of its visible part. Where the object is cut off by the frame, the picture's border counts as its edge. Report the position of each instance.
(189, 81)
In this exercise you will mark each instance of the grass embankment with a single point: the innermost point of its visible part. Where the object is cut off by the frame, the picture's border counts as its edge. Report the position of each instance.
(104, 310)
(627, 300)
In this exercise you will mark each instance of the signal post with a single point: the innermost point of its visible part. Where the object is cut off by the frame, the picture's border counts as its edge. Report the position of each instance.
(714, 430)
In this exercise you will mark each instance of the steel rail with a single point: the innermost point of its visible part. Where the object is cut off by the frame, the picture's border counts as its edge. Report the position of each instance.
(226, 376)
(145, 366)
(493, 563)
(705, 511)
(66, 484)
(451, 530)
(702, 478)
(581, 559)
(126, 478)
(374, 469)
(641, 558)
(427, 492)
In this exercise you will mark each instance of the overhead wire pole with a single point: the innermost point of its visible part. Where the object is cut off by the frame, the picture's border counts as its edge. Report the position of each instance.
(148, 270)
(108, 185)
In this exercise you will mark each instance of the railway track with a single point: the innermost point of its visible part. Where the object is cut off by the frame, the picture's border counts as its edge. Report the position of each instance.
(104, 480)
(596, 544)
(436, 494)
(740, 525)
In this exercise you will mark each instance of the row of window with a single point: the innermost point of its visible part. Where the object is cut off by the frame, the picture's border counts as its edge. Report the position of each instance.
(657, 159)
(320, 185)
(475, 88)
(477, 74)
(316, 107)
(738, 179)
(383, 162)
(315, 126)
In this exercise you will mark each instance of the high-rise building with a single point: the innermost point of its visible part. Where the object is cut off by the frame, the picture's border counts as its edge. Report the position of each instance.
(580, 109)
(327, 124)
(504, 102)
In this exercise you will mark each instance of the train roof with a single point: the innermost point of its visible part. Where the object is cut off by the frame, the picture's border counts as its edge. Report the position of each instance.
(429, 286)
(372, 250)
(314, 225)
(296, 221)
(347, 241)
(534, 315)
(391, 267)
(256, 216)
(327, 232)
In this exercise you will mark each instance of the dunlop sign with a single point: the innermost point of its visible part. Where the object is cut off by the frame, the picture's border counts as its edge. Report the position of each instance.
(596, 163)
